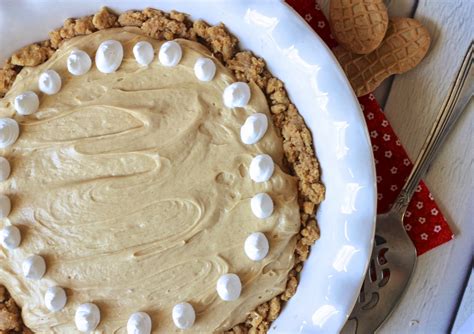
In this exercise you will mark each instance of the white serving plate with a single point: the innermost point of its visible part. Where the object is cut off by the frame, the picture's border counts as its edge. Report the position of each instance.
(333, 274)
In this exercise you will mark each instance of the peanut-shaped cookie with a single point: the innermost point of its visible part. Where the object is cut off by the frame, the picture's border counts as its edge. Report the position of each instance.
(404, 46)
(358, 25)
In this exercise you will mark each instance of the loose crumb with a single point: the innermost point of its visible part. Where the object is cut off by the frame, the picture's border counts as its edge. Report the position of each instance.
(10, 319)
(132, 18)
(7, 76)
(217, 38)
(104, 19)
(31, 55)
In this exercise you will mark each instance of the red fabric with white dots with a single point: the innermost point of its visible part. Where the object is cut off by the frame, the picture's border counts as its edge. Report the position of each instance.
(424, 222)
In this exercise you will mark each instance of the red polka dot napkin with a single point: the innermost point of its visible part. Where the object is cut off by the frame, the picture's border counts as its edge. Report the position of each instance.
(424, 222)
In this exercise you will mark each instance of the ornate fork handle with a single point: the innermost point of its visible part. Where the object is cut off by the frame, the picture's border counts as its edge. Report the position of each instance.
(453, 106)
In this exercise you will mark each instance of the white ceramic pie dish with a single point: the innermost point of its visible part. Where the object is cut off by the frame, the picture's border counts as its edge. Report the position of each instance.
(333, 274)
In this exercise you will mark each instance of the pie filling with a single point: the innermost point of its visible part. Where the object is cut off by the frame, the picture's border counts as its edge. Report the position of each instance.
(136, 188)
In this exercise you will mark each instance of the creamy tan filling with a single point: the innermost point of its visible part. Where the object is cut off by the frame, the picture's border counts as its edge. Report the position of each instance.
(134, 186)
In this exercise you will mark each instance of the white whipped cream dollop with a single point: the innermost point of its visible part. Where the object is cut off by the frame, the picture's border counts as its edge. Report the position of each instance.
(184, 315)
(229, 287)
(78, 62)
(262, 205)
(5, 169)
(143, 52)
(170, 53)
(254, 128)
(5, 206)
(9, 132)
(256, 246)
(55, 298)
(34, 267)
(236, 95)
(139, 323)
(109, 56)
(26, 103)
(204, 69)
(87, 317)
(10, 237)
(49, 82)
(261, 168)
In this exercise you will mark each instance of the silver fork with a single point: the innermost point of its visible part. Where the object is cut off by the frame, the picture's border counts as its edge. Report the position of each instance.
(394, 256)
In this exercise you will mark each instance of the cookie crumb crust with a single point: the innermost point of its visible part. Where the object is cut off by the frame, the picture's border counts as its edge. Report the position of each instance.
(297, 141)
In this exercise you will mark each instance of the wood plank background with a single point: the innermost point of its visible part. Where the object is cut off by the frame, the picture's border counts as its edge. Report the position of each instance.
(411, 102)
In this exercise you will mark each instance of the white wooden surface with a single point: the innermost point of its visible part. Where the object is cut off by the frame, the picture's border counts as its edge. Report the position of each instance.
(465, 316)
(411, 102)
